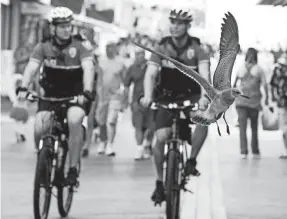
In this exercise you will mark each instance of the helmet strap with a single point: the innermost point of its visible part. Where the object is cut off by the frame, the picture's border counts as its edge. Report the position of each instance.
(60, 41)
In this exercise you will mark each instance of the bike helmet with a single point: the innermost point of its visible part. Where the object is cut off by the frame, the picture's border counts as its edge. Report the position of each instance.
(179, 14)
(61, 15)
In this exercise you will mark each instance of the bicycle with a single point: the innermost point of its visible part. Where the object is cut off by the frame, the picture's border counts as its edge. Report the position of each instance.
(51, 161)
(175, 156)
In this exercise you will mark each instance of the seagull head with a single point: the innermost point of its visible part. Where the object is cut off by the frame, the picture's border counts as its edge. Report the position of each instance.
(237, 93)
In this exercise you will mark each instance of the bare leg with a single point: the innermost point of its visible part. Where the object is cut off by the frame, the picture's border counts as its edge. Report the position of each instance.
(158, 151)
(90, 128)
(199, 136)
(139, 136)
(75, 117)
(111, 132)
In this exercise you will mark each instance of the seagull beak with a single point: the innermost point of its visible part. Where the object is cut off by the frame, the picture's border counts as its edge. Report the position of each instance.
(245, 96)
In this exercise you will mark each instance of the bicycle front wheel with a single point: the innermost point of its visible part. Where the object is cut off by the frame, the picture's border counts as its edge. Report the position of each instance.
(172, 186)
(65, 192)
(42, 181)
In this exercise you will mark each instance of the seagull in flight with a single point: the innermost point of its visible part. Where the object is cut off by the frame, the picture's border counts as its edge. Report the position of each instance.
(221, 95)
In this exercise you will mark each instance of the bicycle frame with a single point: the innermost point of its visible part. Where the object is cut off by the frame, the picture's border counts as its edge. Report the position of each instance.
(180, 146)
(55, 139)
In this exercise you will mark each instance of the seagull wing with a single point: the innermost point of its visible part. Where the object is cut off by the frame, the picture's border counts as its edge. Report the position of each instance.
(229, 47)
(211, 92)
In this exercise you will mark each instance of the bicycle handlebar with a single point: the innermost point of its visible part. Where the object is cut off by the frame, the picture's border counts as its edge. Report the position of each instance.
(33, 97)
(172, 106)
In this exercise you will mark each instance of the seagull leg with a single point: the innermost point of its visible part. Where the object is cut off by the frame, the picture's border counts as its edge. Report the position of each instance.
(227, 126)
(218, 130)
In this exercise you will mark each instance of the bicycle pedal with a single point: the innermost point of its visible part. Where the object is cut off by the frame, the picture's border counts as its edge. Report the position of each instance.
(157, 203)
(77, 185)
(187, 190)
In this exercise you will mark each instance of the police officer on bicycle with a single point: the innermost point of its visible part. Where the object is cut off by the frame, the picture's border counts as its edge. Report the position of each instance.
(175, 86)
(68, 70)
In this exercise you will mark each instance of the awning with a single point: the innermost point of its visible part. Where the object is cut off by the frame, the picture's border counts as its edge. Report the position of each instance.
(5, 2)
(273, 2)
(33, 7)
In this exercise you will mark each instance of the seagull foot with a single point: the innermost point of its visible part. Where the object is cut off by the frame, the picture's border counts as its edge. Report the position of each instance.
(227, 126)
(227, 129)
(218, 130)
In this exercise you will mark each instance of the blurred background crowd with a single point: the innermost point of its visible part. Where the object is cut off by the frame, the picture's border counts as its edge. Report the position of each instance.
(260, 25)
(24, 23)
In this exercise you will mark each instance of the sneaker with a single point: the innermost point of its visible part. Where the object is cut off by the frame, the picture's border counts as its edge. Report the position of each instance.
(20, 138)
(147, 152)
(85, 152)
(158, 195)
(190, 169)
(243, 156)
(110, 151)
(72, 178)
(101, 148)
(139, 153)
(23, 138)
(283, 157)
(256, 156)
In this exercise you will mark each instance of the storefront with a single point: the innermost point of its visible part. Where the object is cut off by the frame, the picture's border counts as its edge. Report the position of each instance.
(273, 2)
(34, 27)
(29, 27)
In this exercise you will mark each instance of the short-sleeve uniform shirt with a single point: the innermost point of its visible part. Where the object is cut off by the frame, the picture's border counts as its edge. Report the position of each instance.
(62, 70)
(172, 80)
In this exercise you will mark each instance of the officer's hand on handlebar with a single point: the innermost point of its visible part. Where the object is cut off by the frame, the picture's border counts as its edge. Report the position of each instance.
(145, 101)
(85, 97)
(22, 93)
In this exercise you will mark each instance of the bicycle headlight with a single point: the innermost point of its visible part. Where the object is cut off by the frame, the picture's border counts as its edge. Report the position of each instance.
(187, 103)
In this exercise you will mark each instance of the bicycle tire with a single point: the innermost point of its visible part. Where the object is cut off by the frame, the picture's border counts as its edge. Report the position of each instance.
(42, 174)
(64, 208)
(172, 187)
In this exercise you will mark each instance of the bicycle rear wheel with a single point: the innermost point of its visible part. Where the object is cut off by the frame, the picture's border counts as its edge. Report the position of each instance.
(172, 186)
(42, 180)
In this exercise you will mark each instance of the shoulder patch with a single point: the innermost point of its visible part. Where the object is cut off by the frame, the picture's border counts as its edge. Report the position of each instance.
(87, 45)
(164, 40)
(195, 39)
(190, 53)
(79, 37)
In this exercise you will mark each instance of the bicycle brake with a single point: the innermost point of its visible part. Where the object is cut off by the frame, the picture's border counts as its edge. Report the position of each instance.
(77, 184)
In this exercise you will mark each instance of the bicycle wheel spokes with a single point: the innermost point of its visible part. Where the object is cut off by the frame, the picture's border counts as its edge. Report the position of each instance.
(65, 192)
(42, 182)
(172, 186)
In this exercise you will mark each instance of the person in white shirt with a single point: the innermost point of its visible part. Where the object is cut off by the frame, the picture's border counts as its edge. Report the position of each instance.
(110, 93)
(19, 112)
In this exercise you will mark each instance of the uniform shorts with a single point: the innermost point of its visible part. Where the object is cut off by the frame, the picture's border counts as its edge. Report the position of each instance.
(49, 106)
(142, 118)
(164, 119)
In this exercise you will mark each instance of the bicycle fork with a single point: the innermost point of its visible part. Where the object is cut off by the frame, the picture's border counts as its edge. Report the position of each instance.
(182, 180)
